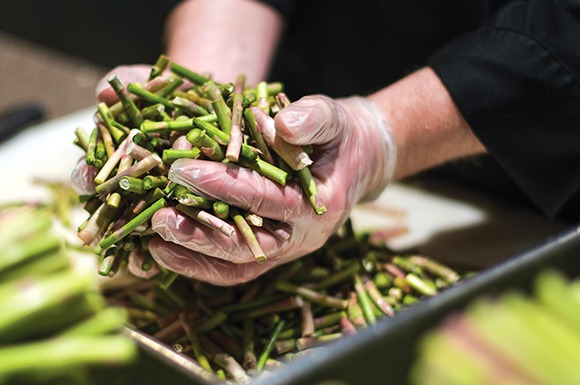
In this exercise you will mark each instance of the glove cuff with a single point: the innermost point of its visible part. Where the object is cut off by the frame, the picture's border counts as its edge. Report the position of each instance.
(381, 151)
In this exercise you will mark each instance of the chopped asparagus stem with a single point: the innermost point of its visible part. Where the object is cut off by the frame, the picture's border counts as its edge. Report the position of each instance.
(293, 155)
(270, 345)
(127, 102)
(130, 226)
(147, 96)
(248, 235)
(235, 143)
(207, 219)
(187, 74)
(220, 136)
(221, 209)
(257, 136)
(309, 187)
(159, 66)
(206, 145)
(222, 111)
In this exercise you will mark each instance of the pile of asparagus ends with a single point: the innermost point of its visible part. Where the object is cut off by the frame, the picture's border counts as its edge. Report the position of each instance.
(181, 115)
(237, 333)
(515, 339)
(54, 322)
(232, 333)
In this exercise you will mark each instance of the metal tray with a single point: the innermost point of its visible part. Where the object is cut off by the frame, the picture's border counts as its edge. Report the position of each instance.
(381, 354)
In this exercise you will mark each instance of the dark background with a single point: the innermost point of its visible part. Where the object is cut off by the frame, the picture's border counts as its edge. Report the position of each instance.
(52, 53)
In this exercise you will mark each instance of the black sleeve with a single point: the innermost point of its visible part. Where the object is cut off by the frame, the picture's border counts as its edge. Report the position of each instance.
(516, 82)
(285, 7)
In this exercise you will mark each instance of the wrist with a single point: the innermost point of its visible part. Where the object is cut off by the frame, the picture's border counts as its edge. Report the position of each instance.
(377, 149)
(223, 37)
(427, 126)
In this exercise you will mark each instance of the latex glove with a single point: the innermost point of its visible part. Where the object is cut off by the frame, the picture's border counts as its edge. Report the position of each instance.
(136, 73)
(83, 178)
(353, 161)
(83, 175)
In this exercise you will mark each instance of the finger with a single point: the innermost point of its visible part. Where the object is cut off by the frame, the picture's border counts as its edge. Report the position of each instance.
(310, 120)
(177, 228)
(135, 265)
(137, 73)
(240, 187)
(201, 267)
(83, 178)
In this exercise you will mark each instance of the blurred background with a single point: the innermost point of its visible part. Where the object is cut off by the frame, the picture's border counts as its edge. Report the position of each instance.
(33, 74)
(52, 54)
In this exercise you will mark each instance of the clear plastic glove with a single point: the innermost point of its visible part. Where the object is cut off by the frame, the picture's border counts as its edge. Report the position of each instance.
(83, 175)
(136, 73)
(354, 159)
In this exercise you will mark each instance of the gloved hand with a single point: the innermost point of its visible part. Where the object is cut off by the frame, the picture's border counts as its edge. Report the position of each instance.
(82, 178)
(83, 174)
(354, 158)
(136, 73)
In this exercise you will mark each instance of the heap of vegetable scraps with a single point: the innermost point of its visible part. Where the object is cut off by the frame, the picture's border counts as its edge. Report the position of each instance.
(515, 338)
(181, 115)
(54, 323)
(229, 333)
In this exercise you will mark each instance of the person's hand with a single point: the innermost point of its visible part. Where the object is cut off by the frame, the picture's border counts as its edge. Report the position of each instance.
(354, 158)
(82, 178)
(135, 73)
(83, 175)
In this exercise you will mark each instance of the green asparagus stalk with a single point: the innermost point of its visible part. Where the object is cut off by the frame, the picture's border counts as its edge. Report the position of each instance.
(147, 96)
(246, 151)
(188, 74)
(227, 362)
(222, 111)
(130, 226)
(136, 170)
(206, 145)
(207, 219)
(117, 132)
(293, 155)
(364, 300)
(159, 66)
(269, 346)
(189, 107)
(248, 235)
(64, 353)
(309, 187)
(127, 102)
(151, 181)
(92, 146)
(221, 209)
(100, 150)
(312, 295)
(262, 97)
(250, 120)
(169, 156)
(132, 184)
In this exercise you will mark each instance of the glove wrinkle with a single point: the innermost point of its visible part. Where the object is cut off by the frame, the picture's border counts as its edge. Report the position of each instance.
(354, 161)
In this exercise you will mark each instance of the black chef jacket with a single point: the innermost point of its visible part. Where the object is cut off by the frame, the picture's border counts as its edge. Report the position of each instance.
(512, 68)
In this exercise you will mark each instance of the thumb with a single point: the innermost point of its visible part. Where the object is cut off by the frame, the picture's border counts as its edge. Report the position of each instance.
(310, 120)
(126, 74)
